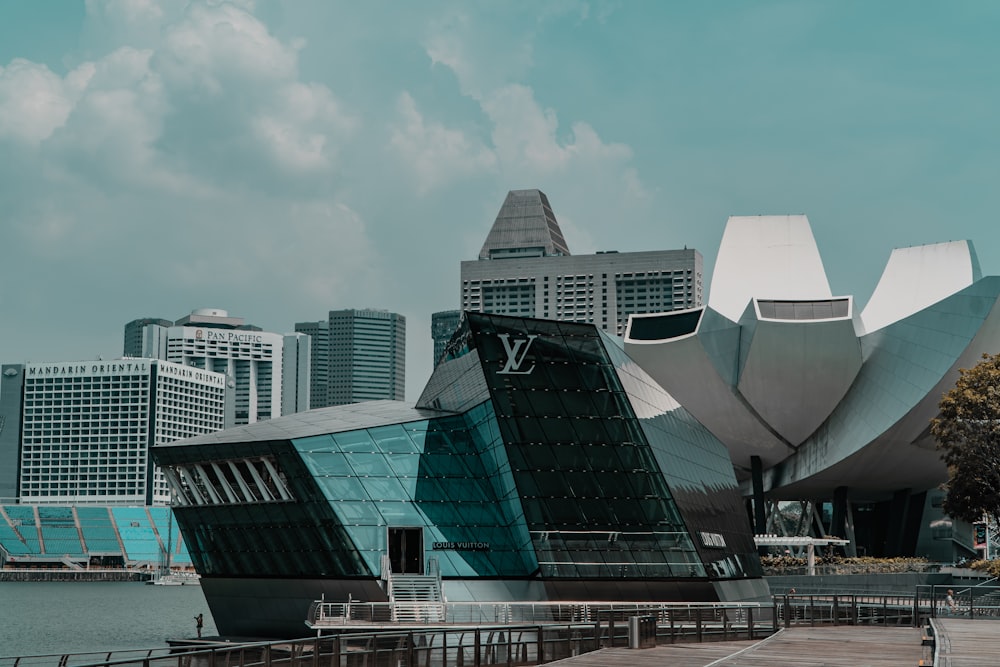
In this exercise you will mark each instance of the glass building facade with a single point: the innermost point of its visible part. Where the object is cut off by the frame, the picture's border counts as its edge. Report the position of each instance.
(540, 463)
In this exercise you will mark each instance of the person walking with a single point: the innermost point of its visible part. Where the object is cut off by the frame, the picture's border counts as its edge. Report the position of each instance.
(950, 600)
(199, 622)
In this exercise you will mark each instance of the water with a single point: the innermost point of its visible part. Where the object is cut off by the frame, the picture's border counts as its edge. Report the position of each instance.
(43, 618)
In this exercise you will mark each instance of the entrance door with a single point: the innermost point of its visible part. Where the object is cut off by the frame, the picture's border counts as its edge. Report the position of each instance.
(406, 550)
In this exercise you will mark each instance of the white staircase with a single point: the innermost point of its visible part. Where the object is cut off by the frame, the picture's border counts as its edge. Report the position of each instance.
(414, 598)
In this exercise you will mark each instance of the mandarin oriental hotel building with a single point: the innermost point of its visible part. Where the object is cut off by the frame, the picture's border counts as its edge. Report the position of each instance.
(539, 464)
(87, 427)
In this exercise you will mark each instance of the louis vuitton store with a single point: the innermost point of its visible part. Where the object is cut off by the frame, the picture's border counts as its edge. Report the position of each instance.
(539, 464)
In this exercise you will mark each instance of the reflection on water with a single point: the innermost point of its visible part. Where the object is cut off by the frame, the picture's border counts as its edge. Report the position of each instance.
(72, 617)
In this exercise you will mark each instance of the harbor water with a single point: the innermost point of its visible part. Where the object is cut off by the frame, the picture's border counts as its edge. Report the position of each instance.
(45, 618)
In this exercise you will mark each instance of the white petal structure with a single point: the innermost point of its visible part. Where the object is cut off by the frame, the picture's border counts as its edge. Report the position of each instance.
(916, 277)
(778, 368)
(798, 360)
(784, 245)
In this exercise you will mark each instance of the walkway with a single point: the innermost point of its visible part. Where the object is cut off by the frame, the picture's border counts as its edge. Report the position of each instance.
(967, 643)
(848, 646)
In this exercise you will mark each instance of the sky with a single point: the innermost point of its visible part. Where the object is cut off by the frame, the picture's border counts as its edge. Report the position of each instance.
(283, 158)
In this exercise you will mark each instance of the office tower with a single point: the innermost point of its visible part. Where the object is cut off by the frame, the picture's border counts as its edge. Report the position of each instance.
(252, 359)
(11, 384)
(295, 373)
(525, 269)
(319, 369)
(146, 337)
(367, 356)
(87, 426)
(443, 325)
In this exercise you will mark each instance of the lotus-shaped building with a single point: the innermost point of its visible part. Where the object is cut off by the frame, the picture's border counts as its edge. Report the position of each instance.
(815, 400)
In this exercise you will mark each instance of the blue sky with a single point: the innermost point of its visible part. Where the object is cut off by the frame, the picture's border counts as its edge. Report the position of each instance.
(280, 159)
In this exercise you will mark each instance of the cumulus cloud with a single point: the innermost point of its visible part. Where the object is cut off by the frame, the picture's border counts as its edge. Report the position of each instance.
(183, 158)
(525, 134)
(34, 101)
(436, 154)
(528, 145)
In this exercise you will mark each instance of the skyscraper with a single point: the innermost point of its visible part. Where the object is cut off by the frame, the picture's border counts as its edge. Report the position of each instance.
(262, 385)
(319, 366)
(367, 356)
(525, 269)
(87, 426)
(11, 385)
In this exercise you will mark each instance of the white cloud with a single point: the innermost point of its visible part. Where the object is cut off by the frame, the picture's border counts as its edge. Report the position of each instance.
(219, 49)
(525, 135)
(436, 154)
(34, 101)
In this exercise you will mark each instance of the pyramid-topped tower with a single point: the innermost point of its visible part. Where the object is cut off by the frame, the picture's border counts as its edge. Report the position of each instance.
(524, 227)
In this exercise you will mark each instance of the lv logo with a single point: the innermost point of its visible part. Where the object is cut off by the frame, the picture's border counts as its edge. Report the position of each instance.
(516, 351)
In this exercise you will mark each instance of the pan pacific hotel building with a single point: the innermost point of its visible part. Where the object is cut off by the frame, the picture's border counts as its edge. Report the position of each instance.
(540, 463)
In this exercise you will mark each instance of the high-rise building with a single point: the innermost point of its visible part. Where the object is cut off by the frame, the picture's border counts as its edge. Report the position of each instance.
(319, 368)
(525, 269)
(443, 325)
(296, 357)
(362, 356)
(11, 384)
(367, 356)
(263, 385)
(87, 426)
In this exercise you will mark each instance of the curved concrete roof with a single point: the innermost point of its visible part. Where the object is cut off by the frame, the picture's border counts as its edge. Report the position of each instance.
(699, 370)
(768, 257)
(795, 372)
(916, 277)
(876, 440)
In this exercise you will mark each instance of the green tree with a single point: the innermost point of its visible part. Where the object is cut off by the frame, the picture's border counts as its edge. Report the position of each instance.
(967, 431)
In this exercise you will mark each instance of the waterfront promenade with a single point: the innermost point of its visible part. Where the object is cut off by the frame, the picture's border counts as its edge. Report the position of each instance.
(849, 646)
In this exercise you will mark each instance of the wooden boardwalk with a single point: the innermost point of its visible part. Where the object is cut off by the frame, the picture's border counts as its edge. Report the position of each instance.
(962, 642)
(842, 646)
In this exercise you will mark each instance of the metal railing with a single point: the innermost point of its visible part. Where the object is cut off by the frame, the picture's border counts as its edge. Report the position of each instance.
(980, 601)
(334, 615)
(496, 634)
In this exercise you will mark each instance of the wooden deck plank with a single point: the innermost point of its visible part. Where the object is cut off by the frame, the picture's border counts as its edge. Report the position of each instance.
(848, 646)
(964, 642)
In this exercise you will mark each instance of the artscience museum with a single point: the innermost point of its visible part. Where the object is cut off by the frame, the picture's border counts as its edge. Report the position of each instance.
(817, 401)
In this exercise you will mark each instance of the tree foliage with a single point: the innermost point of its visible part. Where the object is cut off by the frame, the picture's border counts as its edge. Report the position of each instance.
(967, 431)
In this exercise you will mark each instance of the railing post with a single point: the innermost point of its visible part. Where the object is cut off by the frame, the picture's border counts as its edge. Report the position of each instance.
(788, 613)
(611, 629)
(698, 626)
(540, 642)
(836, 611)
(749, 622)
(336, 650)
(478, 642)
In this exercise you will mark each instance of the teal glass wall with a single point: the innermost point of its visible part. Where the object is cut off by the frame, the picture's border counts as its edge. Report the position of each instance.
(445, 476)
